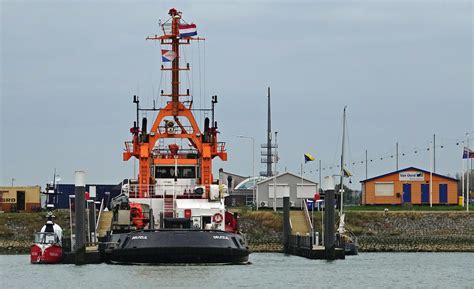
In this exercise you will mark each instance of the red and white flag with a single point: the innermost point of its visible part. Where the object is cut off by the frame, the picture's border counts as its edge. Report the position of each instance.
(168, 55)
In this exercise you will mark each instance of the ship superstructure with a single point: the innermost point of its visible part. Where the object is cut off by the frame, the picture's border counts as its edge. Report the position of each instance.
(174, 212)
(168, 173)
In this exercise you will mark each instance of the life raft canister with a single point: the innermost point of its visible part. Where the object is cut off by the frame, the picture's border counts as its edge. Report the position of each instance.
(217, 218)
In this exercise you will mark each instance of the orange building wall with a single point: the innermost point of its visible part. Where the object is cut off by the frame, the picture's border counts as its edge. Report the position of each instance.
(369, 197)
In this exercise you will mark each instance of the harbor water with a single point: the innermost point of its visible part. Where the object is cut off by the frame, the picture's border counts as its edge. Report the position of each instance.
(267, 270)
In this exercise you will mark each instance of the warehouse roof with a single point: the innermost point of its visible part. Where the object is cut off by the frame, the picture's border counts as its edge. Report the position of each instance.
(286, 173)
(407, 169)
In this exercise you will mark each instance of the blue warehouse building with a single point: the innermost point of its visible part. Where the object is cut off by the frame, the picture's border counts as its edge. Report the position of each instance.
(103, 192)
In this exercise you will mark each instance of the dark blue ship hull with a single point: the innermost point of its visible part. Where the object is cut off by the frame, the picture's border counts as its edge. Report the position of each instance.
(177, 246)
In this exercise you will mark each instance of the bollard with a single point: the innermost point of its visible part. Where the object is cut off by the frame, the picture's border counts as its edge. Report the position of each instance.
(329, 221)
(92, 221)
(162, 220)
(237, 217)
(79, 200)
(286, 223)
(151, 225)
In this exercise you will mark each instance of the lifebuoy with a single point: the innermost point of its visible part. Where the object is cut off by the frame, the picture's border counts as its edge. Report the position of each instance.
(217, 218)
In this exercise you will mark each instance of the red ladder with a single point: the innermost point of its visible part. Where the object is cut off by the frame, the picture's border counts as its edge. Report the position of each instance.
(168, 207)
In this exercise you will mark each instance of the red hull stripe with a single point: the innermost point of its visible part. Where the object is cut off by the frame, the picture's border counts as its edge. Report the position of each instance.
(187, 26)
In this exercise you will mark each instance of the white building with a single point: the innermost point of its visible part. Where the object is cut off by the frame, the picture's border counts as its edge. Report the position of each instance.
(287, 184)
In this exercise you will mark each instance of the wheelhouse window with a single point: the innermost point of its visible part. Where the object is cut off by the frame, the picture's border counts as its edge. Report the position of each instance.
(163, 172)
(46, 238)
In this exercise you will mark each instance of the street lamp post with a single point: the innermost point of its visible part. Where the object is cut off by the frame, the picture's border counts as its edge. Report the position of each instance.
(253, 165)
(275, 161)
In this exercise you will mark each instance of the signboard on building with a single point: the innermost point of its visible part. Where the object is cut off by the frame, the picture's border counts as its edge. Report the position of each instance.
(411, 176)
(5, 198)
(92, 192)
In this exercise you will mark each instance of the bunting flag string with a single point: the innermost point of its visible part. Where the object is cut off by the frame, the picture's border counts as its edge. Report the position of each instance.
(404, 153)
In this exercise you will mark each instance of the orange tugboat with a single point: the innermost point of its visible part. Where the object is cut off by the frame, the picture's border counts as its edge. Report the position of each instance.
(174, 211)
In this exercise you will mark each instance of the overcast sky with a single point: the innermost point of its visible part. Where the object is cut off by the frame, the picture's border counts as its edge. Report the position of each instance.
(403, 68)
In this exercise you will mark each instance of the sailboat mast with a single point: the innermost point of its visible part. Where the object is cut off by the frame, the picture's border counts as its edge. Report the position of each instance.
(54, 179)
(341, 183)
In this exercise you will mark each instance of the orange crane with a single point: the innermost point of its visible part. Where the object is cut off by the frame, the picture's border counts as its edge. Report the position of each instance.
(174, 113)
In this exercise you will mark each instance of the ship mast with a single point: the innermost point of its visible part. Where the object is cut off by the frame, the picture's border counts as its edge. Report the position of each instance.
(175, 41)
(176, 17)
(205, 143)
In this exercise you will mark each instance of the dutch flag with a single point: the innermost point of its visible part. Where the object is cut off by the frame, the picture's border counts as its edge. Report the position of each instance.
(467, 153)
(187, 30)
(168, 55)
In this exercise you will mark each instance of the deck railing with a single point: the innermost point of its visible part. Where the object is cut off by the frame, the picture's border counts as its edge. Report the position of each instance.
(100, 215)
(221, 146)
(308, 219)
(164, 153)
(157, 191)
(128, 146)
